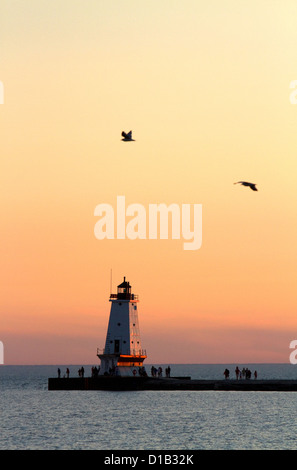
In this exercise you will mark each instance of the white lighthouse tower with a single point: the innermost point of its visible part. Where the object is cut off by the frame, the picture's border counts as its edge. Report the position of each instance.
(123, 354)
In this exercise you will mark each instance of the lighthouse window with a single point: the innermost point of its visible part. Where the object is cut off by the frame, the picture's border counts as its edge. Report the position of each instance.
(116, 345)
(110, 341)
(135, 307)
(120, 303)
(119, 324)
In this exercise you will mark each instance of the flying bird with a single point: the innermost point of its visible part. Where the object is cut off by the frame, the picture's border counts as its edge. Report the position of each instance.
(127, 137)
(245, 183)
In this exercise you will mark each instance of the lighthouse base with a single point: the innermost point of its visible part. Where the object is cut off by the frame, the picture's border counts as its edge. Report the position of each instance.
(123, 365)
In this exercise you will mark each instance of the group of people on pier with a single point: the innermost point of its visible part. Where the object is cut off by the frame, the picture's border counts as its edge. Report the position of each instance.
(95, 371)
(159, 372)
(81, 372)
(245, 373)
(66, 375)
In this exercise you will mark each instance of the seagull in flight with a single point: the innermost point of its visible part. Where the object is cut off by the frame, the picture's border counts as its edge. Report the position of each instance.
(245, 183)
(127, 137)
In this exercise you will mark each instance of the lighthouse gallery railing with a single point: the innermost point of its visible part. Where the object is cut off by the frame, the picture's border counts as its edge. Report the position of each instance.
(134, 352)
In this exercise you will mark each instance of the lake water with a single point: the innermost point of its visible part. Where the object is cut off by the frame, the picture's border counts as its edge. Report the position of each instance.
(34, 418)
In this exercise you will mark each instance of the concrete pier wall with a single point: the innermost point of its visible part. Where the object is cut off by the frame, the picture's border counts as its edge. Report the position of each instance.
(147, 383)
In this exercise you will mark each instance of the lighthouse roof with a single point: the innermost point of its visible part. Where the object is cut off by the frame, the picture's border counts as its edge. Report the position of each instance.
(124, 284)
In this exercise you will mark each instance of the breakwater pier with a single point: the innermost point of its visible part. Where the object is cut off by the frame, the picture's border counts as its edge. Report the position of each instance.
(114, 383)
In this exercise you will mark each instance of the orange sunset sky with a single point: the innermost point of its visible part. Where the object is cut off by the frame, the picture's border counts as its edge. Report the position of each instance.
(205, 87)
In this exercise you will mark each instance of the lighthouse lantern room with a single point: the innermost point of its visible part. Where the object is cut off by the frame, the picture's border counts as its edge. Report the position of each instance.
(123, 354)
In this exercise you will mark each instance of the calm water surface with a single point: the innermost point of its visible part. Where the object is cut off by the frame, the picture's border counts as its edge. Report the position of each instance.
(34, 418)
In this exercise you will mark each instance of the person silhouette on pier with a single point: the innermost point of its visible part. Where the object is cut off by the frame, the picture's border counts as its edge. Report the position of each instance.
(226, 373)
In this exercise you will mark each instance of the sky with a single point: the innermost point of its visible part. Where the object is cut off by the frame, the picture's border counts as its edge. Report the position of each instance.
(205, 88)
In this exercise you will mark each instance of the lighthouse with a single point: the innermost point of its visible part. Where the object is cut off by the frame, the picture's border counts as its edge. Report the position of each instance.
(122, 354)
